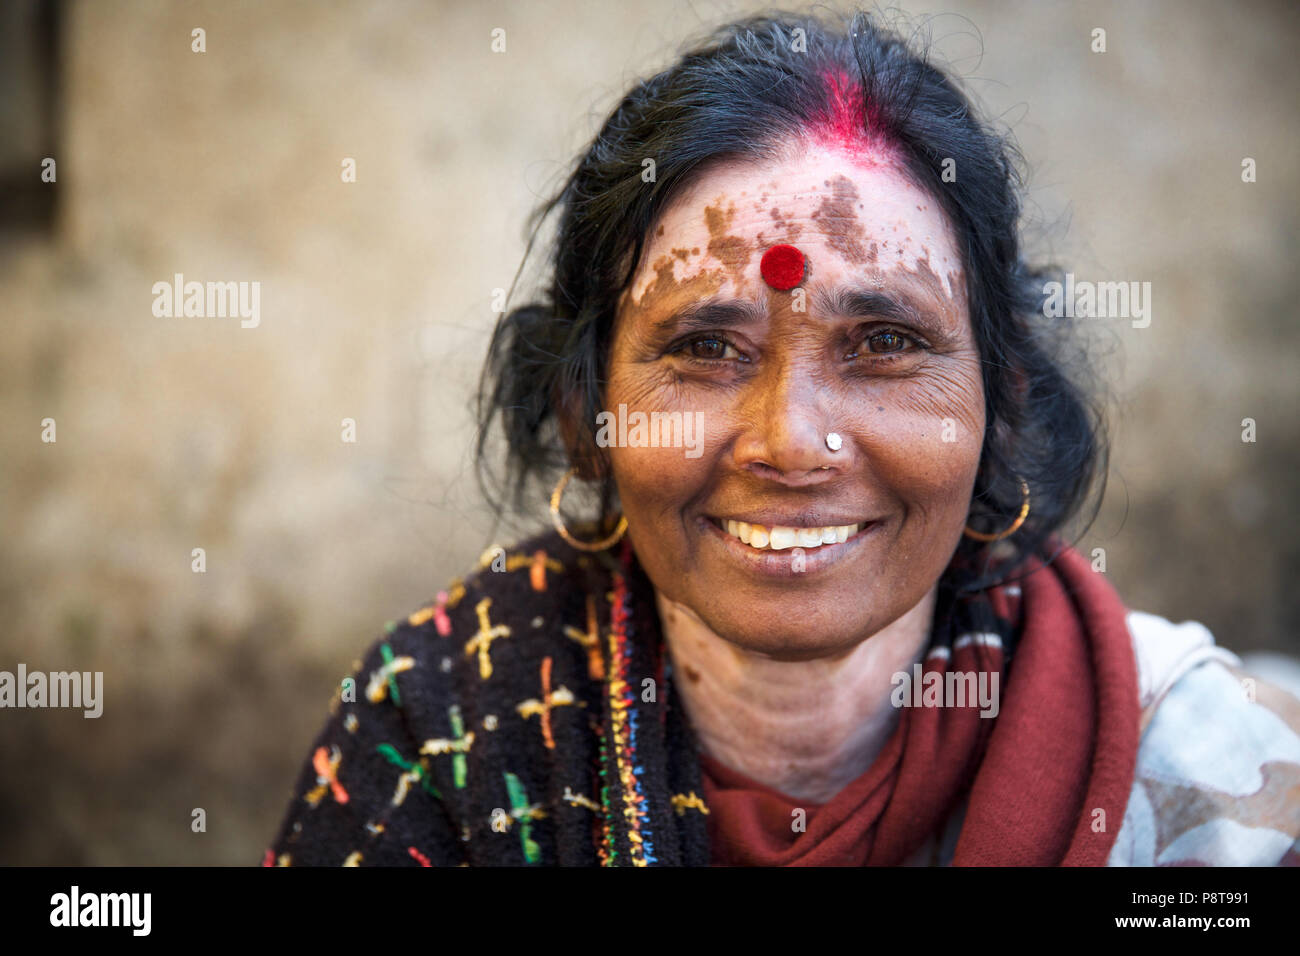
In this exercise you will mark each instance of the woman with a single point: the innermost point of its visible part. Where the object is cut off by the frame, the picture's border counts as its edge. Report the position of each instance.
(826, 617)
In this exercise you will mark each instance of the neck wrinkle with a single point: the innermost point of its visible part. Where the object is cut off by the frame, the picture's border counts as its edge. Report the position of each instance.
(803, 728)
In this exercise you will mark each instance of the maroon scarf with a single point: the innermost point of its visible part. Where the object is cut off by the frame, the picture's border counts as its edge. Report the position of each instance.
(1062, 747)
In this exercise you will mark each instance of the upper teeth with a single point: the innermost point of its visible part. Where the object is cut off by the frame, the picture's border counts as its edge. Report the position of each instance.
(779, 537)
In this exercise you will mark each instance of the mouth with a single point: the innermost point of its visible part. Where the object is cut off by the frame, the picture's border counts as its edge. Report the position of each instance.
(759, 537)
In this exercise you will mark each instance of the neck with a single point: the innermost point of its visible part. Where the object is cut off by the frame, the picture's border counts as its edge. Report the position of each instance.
(804, 728)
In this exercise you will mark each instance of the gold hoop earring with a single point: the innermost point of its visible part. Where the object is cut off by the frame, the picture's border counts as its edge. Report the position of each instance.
(600, 545)
(1015, 525)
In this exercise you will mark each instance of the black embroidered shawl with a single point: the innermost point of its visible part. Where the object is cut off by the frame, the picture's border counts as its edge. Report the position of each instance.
(525, 717)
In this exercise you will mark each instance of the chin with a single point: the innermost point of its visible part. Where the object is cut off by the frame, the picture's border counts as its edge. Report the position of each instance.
(783, 637)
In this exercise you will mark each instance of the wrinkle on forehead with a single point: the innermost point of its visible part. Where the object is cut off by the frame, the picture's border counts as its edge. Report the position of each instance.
(868, 224)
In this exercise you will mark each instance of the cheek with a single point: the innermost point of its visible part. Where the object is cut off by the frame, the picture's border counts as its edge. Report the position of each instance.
(923, 437)
(655, 485)
(945, 414)
(653, 482)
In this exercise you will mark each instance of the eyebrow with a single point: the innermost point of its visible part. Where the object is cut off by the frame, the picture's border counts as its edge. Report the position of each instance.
(712, 313)
(846, 302)
(857, 303)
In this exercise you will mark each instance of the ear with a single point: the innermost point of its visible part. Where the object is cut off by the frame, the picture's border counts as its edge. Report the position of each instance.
(590, 461)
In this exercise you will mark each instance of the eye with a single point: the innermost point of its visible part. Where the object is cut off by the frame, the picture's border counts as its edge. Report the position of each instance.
(708, 348)
(886, 342)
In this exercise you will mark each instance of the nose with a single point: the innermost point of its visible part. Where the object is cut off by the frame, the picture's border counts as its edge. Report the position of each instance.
(786, 422)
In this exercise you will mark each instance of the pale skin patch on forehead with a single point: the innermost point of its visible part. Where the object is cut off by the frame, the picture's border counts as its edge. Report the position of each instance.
(790, 230)
(952, 286)
(732, 251)
(837, 218)
(866, 223)
(668, 292)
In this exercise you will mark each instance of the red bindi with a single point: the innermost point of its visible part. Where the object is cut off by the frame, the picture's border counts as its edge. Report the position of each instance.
(782, 267)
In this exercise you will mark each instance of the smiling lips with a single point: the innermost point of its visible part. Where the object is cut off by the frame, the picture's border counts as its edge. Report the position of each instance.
(780, 537)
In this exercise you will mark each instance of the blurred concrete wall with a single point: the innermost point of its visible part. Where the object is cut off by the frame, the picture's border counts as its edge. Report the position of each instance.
(175, 434)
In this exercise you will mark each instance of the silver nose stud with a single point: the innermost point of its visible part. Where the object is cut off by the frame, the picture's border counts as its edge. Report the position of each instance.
(833, 441)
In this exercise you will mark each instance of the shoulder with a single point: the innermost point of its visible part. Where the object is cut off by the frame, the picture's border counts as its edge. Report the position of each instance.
(448, 715)
(518, 629)
(1218, 764)
(517, 605)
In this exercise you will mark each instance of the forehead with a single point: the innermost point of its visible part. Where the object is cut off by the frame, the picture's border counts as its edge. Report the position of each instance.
(853, 218)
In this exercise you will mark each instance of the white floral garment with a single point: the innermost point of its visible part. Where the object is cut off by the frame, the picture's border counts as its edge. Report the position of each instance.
(1218, 768)
(1217, 781)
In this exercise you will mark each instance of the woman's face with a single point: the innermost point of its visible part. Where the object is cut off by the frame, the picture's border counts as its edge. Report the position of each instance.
(875, 345)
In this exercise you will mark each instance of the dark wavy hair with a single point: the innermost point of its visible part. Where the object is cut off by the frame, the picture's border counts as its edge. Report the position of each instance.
(750, 88)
